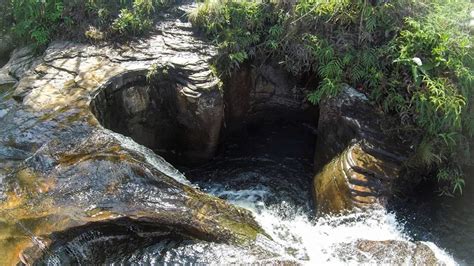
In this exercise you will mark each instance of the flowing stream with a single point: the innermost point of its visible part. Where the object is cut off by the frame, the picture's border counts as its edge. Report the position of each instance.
(267, 170)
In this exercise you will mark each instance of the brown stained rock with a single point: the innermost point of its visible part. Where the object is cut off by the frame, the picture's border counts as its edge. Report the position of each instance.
(330, 188)
(356, 163)
(95, 179)
(62, 173)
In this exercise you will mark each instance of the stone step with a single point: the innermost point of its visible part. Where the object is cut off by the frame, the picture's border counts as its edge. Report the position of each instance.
(361, 189)
(393, 156)
(365, 199)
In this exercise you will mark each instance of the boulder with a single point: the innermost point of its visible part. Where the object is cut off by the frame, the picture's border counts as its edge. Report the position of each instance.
(388, 252)
(356, 162)
(90, 177)
(62, 173)
(183, 113)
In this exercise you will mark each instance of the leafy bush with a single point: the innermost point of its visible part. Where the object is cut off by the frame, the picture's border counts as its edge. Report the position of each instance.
(441, 81)
(129, 22)
(413, 58)
(38, 21)
(239, 28)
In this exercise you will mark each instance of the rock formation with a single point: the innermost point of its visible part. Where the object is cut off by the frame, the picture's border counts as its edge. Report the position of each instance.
(62, 172)
(264, 92)
(356, 161)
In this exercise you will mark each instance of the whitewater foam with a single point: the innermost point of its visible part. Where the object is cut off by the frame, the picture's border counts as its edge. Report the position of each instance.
(315, 240)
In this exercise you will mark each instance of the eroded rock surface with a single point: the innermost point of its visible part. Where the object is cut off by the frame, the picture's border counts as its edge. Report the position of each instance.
(262, 92)
(389, 252)
(356, 162)
(62, 173)
(161, 113)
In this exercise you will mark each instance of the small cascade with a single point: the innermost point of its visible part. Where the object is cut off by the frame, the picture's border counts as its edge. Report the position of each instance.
(328, 239)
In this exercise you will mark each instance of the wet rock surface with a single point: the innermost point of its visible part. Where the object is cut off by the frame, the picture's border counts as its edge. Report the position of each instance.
(62, 173)
(393, 252)
(161, 113)
(356, 162)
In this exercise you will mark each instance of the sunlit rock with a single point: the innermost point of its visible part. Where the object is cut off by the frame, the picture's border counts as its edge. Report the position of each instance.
(356, 160)
(62, 173)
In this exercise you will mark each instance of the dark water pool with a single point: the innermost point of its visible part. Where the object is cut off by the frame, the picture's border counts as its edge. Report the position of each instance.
(446, 221)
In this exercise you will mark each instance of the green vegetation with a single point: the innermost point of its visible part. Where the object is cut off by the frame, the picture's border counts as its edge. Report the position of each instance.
(413, 58)
(38, 21)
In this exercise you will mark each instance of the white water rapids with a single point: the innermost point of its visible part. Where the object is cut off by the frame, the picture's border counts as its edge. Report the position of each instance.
(297, 239)
(315, 242)
(280, 203)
